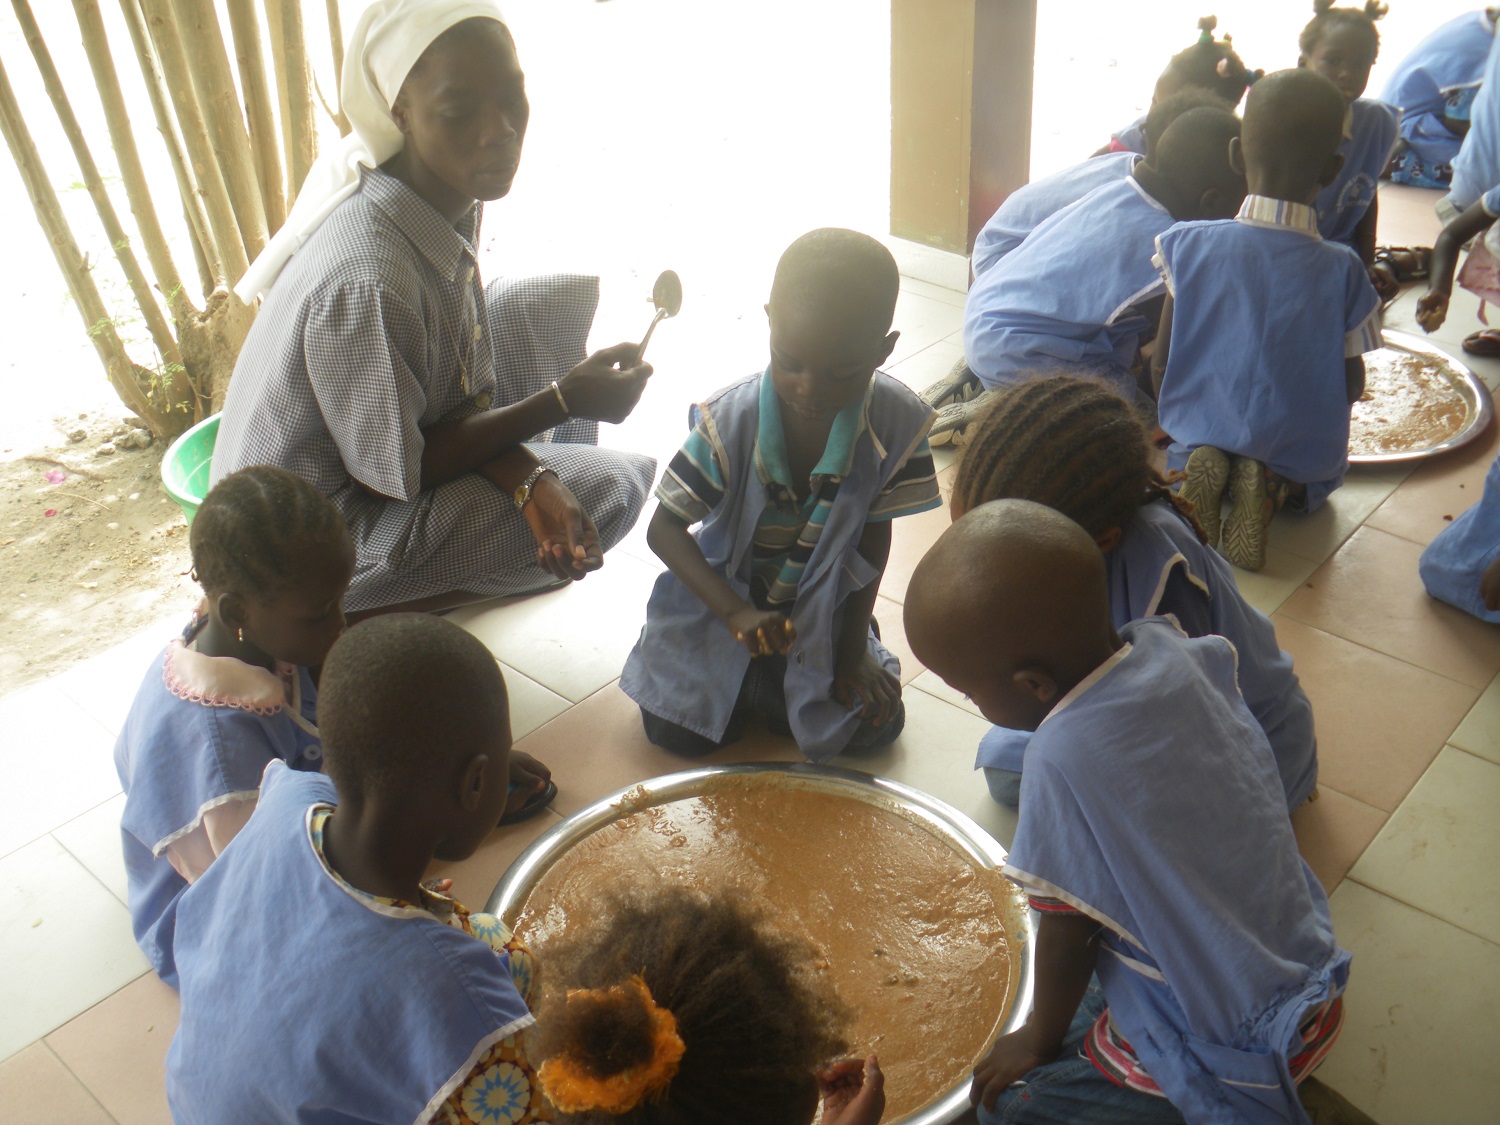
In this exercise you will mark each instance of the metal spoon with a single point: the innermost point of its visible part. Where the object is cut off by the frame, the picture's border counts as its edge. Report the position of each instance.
(666, 295)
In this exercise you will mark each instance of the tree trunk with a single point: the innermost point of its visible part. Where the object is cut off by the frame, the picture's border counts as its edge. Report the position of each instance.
(226, 231)
(208, 64)
(336, 41)
(123, 375)
(206, 252)
(175, 393)
(265, 144)
(102, 63)
(303, 146)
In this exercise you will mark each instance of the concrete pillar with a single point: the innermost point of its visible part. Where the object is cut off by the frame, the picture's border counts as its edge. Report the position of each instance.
(961, 80)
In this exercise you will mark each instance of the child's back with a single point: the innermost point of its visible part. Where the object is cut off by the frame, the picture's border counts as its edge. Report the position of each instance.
(1067, 298)
(321, 981)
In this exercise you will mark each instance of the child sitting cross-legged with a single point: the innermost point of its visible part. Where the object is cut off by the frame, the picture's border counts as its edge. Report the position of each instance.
(233, 692)
(1186, 967)
(1079, 448)
(321, 979)
(678, 1008)
(793, 475)
(1258, 357)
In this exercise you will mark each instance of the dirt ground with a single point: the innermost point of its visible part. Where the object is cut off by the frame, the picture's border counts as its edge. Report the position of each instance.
(91, 547)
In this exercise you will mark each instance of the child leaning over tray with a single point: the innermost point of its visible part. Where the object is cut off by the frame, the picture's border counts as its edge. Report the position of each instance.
(793, 476)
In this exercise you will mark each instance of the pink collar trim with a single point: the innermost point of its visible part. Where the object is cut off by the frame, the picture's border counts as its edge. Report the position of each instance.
(222, 681)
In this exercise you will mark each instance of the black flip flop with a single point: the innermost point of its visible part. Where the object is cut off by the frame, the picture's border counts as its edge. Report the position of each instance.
(538, 801)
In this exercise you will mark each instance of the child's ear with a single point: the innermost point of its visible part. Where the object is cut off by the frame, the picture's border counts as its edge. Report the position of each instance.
(1332, 169)
(231, 611)
(471, 782)
(767, 307)
(1236, 156)
(887, 346)
(1037, 683)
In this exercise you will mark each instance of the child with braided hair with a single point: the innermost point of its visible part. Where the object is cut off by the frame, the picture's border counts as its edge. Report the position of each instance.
(680, 1008)
(233, 692)
(1341, 44)
(1080, 449)
(1210, 65)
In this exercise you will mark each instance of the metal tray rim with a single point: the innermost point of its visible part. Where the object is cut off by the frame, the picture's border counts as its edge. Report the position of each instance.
(1477, 392)
(953, 825)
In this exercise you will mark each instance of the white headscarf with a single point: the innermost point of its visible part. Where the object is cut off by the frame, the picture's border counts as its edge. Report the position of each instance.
(386, 43)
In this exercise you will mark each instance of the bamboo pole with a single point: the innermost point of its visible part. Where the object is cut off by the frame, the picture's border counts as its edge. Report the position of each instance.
(208, 66)
(283, 101)
(70, 260)
(206, 253)
(265, 144)
(216, 199)
(102, 63)
(336, 41)
(135, 277)
(304, 136)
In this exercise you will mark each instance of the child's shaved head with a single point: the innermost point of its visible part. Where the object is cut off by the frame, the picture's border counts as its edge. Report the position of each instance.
(404, 697)
(1193, 152)
(1011, 607)
(840, 276)
(1294, 124)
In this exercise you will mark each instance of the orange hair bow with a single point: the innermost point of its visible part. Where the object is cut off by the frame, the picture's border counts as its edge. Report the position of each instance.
(573, 1089)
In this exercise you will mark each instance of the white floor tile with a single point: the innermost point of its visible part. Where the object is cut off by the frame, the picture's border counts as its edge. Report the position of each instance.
(922, 322)
(106, 685)
(572, 641)
(94, 841)
(933, 684)
(928, 365)
(944, 293)
(1317, 535)
(1440, 850)
(1423, 1002)
(531, 705)
(935, 754)
(1266, 589)
(57, 762)
(1479, 733)
(65, 942)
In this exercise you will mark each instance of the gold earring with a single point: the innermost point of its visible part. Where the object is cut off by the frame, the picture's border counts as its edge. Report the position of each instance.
(241, 634)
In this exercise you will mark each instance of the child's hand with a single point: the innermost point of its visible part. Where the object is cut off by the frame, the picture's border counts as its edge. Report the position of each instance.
(870, 688)
(853, 1092)
(1432, 310)
(1387, 288)
(1009, 1059)
(1489, 586)
(762, 632)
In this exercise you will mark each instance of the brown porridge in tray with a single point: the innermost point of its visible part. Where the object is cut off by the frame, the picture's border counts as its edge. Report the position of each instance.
(1411, 403)
(916, 935)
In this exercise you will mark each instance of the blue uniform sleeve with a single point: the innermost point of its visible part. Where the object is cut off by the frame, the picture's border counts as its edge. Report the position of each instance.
(1361, 310)
(1490, 201)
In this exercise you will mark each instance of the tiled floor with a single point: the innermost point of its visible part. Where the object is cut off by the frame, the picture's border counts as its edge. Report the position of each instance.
(1406, 691)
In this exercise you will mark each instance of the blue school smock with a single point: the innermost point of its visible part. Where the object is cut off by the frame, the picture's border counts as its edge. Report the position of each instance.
(1366, 150)
(1217, 938)
(1435, 84)
(1265, 312)
(1453, 564)
(1032, 204)
(1065, 299)
(1159, 567)
(1476, 168)
(184, 751)
(305, 1002)
(1132, 138)
(686, 667)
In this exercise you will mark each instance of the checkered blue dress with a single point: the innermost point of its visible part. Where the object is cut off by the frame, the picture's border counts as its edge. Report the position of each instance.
(380, 328)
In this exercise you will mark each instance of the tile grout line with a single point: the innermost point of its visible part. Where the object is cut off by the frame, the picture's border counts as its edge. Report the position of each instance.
(1391, 656)
(82, 1084)
(1427, 913)
(81, 863)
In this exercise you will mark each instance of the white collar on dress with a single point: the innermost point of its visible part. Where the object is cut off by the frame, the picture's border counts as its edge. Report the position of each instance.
(1263, 211)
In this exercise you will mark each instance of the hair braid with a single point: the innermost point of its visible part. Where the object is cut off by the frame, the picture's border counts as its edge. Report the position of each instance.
(253, 526)
(1070, 443)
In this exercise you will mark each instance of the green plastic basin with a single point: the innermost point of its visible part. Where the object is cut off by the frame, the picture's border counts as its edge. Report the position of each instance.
(184, 470)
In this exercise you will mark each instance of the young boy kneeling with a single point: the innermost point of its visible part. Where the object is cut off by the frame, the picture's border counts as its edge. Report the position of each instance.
(1153, 840)
(321, 980)
(795, 475)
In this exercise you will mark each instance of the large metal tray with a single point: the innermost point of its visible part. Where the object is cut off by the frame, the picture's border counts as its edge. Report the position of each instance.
(944, 821)
(1476, 395)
